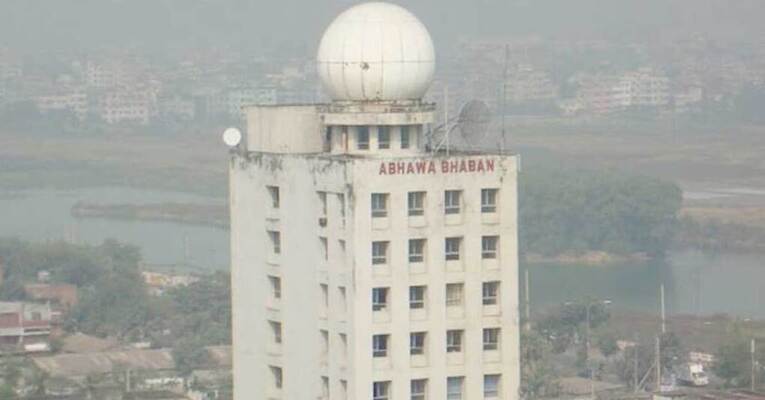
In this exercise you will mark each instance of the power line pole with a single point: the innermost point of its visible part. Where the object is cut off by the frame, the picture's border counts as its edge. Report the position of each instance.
(527, 295)
(658, 364)
(754, 364)
(663, 312)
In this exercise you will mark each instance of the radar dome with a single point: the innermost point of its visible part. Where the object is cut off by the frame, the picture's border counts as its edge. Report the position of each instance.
(376, 51)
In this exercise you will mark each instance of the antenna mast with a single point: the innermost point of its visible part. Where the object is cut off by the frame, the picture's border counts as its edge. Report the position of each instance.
(446, 117)
(503, 145)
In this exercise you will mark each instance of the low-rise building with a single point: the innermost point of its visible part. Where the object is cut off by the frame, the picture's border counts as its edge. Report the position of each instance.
(75, 102)
(25, 325)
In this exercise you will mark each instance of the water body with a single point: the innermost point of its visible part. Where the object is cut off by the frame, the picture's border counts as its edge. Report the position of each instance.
(42, 215)
(695, 282)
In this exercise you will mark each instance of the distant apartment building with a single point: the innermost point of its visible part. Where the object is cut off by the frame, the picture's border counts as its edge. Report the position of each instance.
(25, 325)
(176, 107)
(645, 87)
(159, 282)
(10, 70)
(135, 106)
(605, 94)
(75, 102)
(102, 75)
(526, 84)
(239, 98)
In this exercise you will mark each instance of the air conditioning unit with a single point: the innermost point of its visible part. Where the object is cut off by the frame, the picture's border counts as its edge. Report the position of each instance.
(323, 222)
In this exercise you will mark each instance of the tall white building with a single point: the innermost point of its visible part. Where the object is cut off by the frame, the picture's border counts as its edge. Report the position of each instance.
(365, 266)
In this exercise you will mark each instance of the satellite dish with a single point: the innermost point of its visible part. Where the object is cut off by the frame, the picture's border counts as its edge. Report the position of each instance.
(232, 137)
(474, 120)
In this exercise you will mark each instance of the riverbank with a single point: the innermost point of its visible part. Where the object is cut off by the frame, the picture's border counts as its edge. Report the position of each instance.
(194, 214)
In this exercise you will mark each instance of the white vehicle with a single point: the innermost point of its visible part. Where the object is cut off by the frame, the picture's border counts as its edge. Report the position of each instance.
(692, 374)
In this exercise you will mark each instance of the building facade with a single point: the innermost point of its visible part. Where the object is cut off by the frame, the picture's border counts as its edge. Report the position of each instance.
(365, 266)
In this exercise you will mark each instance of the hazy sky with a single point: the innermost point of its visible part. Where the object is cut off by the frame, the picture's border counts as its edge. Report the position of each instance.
(158, 24)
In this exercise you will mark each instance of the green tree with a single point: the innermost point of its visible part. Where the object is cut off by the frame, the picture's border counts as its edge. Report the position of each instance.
(538, 377)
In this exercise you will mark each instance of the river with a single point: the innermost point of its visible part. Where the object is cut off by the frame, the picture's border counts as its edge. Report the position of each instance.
(695, 282)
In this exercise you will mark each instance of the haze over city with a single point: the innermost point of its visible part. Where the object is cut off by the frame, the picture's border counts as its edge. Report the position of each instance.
(334, 199)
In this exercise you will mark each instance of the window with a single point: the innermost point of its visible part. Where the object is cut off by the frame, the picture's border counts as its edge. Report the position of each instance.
(416, 202)
(454, 388)
(344, 344)
(452, 201)
(379, 299)
(343, 299)
(341, 201)
(362, 138)
(491, 338)
(274, 192)
(324, 334)
(324, 387)
(379, 205)
(417, 343)
(324, 295)
(344, 389)
(454, 294)
(276, 372)
(323, 202)
(324, 248)
(454, 341)
(418, 388)
(276, 287)
(276, 329)
(416, 250)
(489, 247)
(491, 386)
(379, 253)
(380, 345)
(452, 248)
(490, 293)
(405, 137)
(276, 241)
(416, 297)
(381, 390)
(383, 137)
(489, 200)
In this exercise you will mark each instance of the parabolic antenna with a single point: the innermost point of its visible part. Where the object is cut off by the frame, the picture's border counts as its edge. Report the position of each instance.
(474, 120)
(232, 137)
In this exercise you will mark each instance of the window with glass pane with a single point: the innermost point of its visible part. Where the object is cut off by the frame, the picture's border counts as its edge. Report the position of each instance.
(405, 137)
(489, 247)
(276, 241)
(490, 293)
(417, 343)
(380, 345)
(454, 294)
(416, 250)
(362, 138)
(491, 338)
(379, 252)
(491, 386)
(379, 205)
(418, 389)
(452, 201)
(416, 297)
(452, 248)
(454, 388)
(489, 200)
(381, 390)
(276, 330)
(273, 191)
(416, 202)
(276, 372)
(383, 137)
(276, 287)
(454, 341)
(379, 299)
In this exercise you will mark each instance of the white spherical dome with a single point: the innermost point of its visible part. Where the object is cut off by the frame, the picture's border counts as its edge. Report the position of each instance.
(376, 51)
